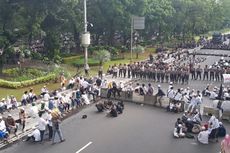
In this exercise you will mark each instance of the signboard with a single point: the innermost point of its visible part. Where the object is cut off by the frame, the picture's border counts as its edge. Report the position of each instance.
(226, 78)
(138, 23)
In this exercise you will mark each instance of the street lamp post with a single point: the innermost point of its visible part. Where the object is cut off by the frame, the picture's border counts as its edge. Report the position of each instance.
(85, 40)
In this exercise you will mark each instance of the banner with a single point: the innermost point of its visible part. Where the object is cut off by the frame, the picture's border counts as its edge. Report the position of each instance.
(226, 78)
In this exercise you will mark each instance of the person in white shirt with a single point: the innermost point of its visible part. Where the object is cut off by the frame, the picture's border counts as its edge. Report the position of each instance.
(48, 117)
(171, 94)
(3, 132)
(225, 106)
(213, 127)
(33, 112)
(178, 96)
(24, 98)
(203, 136)
(170, 85)
(213, 95)
(35, 135)
(2, 125)
(44, 90)
(193, 104)
(197, 117)
(42, 126)
(46, 97)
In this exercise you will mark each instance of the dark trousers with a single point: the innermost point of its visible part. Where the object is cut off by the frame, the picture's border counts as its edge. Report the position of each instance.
(211, 76)
(50, 128)
(205, 75)
(193, 75)
(42, 132)
(198, 75)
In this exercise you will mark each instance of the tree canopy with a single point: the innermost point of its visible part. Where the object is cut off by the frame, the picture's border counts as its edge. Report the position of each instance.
(23, 22)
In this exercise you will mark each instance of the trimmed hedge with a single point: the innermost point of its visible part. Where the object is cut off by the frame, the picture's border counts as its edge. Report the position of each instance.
(15, 85)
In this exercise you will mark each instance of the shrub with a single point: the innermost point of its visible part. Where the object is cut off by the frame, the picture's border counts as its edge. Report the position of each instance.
(15, 85)
(91, 62)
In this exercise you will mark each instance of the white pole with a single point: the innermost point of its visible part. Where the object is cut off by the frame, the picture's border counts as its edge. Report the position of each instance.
(131, 43)
(85, 30)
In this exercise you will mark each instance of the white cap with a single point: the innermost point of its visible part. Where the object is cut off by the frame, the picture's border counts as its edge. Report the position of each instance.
(0, 117)
(159, 86)
(170, 83)
(9, 115)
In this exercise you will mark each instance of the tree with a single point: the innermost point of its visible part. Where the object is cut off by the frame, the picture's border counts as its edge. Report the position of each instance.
(138, 49)
(102, 56)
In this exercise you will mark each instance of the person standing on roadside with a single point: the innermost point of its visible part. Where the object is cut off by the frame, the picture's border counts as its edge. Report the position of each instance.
(56, 120)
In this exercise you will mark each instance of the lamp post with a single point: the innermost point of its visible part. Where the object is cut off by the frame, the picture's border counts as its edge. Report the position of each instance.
(85, 40)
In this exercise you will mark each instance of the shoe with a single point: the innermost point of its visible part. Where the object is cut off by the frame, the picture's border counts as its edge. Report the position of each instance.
(63, 140)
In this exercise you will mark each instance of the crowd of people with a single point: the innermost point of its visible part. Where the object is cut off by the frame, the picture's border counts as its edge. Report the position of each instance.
(48, 108)
(176, 71)
(190, 124)
(111, 107)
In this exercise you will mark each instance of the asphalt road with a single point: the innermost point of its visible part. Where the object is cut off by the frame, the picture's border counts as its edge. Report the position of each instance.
(141, 129)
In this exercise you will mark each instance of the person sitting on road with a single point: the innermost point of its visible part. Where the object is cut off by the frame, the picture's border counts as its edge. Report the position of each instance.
(179, 121)
(203, 136)
(113, 111)
(184, 116)
(35, 135)
(213, 127)
(197, 118)
(100, 107)
(119, 108)
(189, 125)
(178, 131)
(121, 104)
(222, 130)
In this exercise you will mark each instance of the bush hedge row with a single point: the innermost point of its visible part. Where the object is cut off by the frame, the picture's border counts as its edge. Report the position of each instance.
(15, 85)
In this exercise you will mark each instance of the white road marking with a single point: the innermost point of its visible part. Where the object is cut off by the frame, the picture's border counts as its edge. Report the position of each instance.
(84, 147)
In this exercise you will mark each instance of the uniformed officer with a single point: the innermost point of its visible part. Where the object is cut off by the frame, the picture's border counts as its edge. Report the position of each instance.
(217, 74)
(211, 70)
(205, 75)
(192, 70)
(198, 72)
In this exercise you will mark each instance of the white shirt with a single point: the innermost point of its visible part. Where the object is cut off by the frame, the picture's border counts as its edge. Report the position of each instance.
(178, 96)
(33, 111)
(226, 105)
(36, 135)
(2, 126)
(46, 97)
(85, 84)
(42, 124)
(203, 137)
(215, 122)
(24, 96)
(171, 93)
